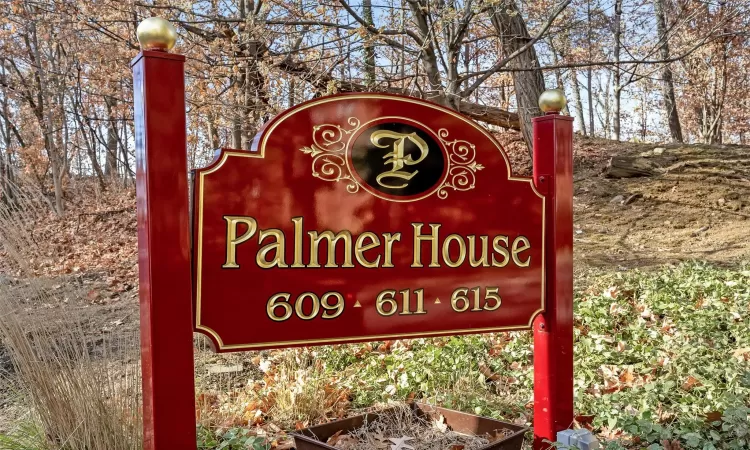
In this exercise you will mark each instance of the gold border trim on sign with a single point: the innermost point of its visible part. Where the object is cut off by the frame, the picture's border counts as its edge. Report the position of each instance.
(259, 152)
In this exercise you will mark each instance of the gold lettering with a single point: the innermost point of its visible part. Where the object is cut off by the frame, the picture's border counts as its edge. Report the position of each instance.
(233, 241)
(360, 248)
(397, 157)
(447, 250)
(280, 300)
(277, 247)
(315, 240)
(298, 243)
(432, 238)
(389, 240)
(299, 306)
(526, 245)
(502, 250)
(484, 260)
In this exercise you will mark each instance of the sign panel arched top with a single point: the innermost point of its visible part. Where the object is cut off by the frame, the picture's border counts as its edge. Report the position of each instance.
(360, 217)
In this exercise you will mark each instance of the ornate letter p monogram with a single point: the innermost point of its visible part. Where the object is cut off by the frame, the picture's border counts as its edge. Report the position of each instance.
(397, 158)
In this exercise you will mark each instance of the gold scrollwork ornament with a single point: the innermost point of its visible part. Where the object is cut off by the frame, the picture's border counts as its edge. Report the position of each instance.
(328, 152)
(462, 165)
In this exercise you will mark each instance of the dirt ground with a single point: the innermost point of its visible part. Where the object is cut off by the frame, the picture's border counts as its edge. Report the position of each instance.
(696, 207)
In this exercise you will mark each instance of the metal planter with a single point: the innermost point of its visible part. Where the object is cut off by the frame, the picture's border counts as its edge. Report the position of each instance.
(314, 438)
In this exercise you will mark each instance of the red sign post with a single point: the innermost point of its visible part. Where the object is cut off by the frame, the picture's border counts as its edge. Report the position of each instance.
(354, 217)
(553, 330)
(164, 251)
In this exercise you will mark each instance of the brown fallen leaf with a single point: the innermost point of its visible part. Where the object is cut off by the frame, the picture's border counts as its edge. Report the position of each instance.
(627, 377)
(742, 354)
(498, 435)
(287, 444)
(585, 421)
(690, 383)
(488, 373)
(671, 445)
(334, 438)
(347, 442)
(367, 348)
(385, 347)
(713, 416)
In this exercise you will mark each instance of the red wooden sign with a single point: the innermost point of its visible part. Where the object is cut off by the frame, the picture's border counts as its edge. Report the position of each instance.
(361, 217)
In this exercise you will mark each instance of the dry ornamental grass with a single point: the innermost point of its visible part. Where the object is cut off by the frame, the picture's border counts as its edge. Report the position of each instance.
(71, 391)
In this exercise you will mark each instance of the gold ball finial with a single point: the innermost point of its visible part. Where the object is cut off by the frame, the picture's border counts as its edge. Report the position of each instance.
(156, 33)
(552, 101)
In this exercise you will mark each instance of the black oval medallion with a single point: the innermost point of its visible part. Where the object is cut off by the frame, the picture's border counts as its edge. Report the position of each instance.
(398, 159)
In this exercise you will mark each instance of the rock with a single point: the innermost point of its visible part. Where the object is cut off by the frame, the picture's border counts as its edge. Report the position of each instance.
(617, 199)
(629, 166)
(631, 199)
(720, 201)
(220, 368)
(700, 230)
(658, 151)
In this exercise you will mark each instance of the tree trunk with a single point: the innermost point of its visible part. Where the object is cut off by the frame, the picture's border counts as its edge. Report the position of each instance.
(237, 124)
(292, 97)
(579, 105)
(368, 46)
(124, 160)
(43, 113)
(617, 73)
(428, 56)
(559, 79)
(670, 102)
(607, 115)
(110, 163)
(6, 193)
(89, 141)
(4, 185)
(528, 85)
(644, 116)
(57, 177)
(616, 112)
(590, 95)
(590, 75)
